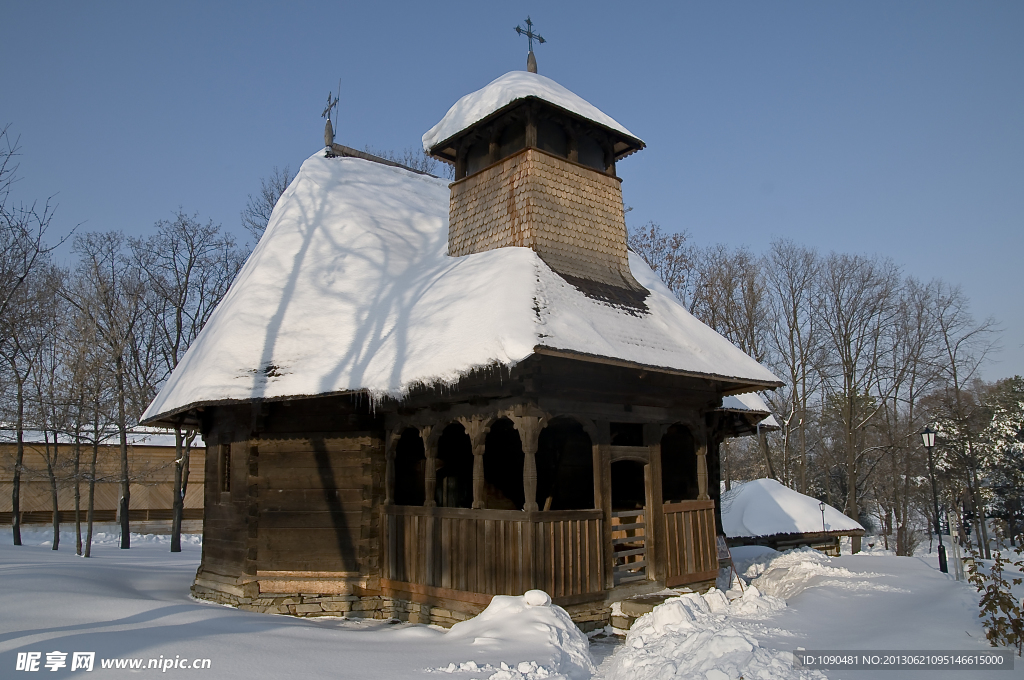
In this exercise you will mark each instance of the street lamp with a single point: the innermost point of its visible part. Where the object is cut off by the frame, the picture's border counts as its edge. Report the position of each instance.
(928, 439)
(821, 506)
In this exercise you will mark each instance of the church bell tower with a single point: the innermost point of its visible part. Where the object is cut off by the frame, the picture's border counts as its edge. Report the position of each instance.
(535, 167)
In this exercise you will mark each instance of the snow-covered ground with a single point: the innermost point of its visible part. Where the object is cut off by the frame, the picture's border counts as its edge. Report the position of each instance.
(135, 604)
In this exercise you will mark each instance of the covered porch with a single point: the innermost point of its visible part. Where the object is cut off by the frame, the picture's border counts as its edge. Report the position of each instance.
(498, 501)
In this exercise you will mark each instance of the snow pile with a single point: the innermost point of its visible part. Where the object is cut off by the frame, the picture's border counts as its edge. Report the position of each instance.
(476, 106)
(764, 507)
(352, 288)
(751, 560)
(785, 575)
(530, 626)
(692, 636)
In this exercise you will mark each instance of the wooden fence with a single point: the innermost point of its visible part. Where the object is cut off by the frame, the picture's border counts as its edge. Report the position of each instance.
(691, 549)
(496, 552)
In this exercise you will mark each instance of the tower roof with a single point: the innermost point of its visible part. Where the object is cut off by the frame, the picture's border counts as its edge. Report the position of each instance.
(509, 88)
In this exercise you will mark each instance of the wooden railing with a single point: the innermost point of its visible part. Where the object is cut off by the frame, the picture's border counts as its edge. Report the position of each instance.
(495, 552)
(629, 546)
(691, 552)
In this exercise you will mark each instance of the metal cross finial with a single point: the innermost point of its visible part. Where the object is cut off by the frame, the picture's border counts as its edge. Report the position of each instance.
(328, 126)
(530, 35)
(330, 106)
(531, 61)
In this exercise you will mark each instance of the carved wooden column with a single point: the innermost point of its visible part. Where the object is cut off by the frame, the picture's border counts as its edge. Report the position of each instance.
(657, 553)
(460, 162)
(531, 126)
(702, 466)
(529, 428)
(477, 430)
(391, 445)
(430, 466)
(716, 433)
(602, 452)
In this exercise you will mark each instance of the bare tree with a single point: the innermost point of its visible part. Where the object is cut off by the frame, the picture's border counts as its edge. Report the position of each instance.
(108, 290)
(22, 332)
(259, 208)
(899, 492)
(50, 409)
(729, 294)
(23, 250)
(855, 307)
(669, 254)
(961, 412)
(189, 267)
(23, 226)
(792, 273)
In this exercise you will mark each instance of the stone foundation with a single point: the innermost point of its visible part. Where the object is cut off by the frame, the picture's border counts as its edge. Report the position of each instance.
(346, 606)
(587, 616)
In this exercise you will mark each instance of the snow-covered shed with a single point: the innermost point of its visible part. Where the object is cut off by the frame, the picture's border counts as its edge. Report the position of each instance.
(419, 394)
(765, 512)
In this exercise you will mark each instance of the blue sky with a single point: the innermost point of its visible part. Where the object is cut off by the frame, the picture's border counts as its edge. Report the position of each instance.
(874, 127)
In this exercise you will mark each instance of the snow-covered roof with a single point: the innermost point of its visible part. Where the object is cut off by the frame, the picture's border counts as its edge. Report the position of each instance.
(501, 92)
(351, 288)
(752, 404)
(764, 507)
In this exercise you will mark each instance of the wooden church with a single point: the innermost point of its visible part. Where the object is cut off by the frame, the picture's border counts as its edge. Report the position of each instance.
(419, 394)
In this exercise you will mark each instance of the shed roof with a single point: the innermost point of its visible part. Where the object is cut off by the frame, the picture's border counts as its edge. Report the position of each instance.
(351, 289)
(764, 507)
(750, 404)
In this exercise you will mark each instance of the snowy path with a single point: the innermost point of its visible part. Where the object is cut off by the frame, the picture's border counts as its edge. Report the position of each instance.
(135, 604)
(890, 603)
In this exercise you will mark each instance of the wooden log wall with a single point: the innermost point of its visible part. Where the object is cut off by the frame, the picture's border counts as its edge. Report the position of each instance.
(692, 554)
(225, 545)
(315, 505)
(496, 552)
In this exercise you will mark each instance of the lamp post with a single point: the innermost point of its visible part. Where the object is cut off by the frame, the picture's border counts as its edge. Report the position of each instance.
(928, 438)
(821, 506)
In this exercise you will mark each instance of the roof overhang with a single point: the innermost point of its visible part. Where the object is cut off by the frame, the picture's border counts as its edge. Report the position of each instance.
(622, 146)
(731, 384)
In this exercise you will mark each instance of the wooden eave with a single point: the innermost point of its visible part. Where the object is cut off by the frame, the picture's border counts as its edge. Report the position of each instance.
(738, 385)
(721, 384)
(624, 145)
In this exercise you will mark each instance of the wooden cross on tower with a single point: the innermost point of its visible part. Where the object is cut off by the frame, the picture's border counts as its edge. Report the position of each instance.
(531, 61)
(329, 128)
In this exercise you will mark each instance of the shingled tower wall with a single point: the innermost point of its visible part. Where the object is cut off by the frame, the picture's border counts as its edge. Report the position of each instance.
(571, 215)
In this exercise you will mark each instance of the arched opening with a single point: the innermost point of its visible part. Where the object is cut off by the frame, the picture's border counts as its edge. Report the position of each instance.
(513, 138)
(565, 467)
(476, 157)
(410, 465)
(503, 467)
(590, 152)
(629, 491)
(455, 468)
(629, 521)
(551, 138)
(678, 465)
